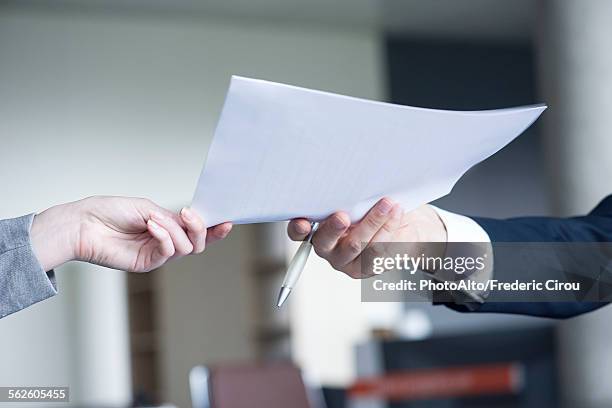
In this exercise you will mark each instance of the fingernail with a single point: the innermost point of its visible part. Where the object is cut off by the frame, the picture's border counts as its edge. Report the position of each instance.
(153, 224)
(187, 214)
(385, 206)
(301, 228)
(337, 223)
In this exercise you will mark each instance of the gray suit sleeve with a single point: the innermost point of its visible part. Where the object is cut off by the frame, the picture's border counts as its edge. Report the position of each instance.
(23, 281)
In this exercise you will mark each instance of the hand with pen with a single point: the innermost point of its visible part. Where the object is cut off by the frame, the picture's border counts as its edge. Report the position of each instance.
(342, 244)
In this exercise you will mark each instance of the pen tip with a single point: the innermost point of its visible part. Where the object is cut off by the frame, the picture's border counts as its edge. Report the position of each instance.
(283, 295)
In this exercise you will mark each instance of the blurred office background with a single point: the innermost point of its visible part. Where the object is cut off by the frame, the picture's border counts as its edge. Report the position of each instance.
(121, 97)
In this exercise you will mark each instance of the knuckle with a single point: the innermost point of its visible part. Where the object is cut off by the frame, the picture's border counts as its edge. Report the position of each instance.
(373, 222)
(321, 252)
(387, 227)
(322, 245)
(326, 249)
(353, 246)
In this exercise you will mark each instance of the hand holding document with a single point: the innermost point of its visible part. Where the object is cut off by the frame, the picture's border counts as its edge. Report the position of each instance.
(281, 152)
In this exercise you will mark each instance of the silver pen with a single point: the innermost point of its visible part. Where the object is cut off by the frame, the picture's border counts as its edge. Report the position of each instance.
(296, 266)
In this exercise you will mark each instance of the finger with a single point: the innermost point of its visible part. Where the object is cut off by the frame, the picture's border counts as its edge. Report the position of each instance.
(350, 246)
(377, 245)
(165, 247)
(330, 231)
(182, 244)
(385, 233)
(196, 231)
(218, 232)
(298, 229)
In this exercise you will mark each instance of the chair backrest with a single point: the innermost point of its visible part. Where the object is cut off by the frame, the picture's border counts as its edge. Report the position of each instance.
(277, 385)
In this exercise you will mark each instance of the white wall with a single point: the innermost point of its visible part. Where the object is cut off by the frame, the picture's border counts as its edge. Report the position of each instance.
(328, 321)
(96, 103)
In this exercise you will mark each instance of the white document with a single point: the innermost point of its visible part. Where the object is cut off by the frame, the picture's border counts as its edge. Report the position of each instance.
(281, 152)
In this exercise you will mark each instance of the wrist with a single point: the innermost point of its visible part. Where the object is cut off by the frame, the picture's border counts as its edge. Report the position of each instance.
(431, 232)
(429, 226)
(55, 234)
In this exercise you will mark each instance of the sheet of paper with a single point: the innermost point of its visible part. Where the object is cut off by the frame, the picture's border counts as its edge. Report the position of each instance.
(281, 152)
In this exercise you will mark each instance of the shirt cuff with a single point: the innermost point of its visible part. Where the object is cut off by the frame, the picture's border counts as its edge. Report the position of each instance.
(460, 228)
(23, 281)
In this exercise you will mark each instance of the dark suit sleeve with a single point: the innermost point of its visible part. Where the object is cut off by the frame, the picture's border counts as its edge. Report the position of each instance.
(594, 227)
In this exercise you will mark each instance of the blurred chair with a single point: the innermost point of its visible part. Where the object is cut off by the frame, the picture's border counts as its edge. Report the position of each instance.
(275, 385)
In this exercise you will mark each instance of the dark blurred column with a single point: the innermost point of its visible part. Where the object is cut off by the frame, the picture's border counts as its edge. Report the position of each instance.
(574, 42)
(273, 339)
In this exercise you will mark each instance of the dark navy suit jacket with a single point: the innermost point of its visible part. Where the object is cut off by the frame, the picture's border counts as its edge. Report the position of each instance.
(594, 227)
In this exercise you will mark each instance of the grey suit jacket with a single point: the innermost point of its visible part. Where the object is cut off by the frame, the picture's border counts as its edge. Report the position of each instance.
(23, 282)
